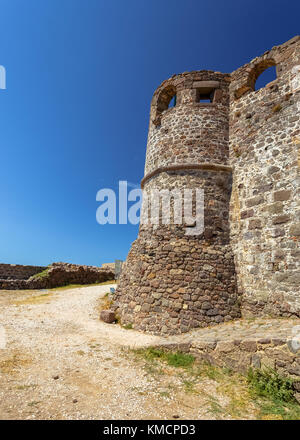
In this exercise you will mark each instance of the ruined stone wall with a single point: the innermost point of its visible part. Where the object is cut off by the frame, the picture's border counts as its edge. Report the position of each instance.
(18, 271)
(172, 282)
(264, 152)
(60, 274)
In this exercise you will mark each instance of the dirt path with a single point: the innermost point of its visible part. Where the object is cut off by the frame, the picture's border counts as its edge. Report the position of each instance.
(61, 362)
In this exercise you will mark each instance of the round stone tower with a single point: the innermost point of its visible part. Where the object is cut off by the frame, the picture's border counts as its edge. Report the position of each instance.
(176, 278)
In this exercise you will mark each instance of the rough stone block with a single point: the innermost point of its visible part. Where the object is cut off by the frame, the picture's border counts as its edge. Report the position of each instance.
(107, 316)
(206, 84)
(295, 229)
(254, 201)
(284, 218)
(282, 195)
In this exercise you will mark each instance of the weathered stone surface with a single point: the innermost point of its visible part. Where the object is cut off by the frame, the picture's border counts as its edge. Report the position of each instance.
(206, 84)
(282, 195)
(248, 346)
(107, 316)
(241, 149)
(295, 229)
(18, 272)
(265, 178)
(242, 343)
(196, 282)
(255, 361)
(293, 345)
(59, 274)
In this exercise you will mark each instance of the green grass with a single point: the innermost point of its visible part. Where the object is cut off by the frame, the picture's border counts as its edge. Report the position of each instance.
(128, 326)
(174, 359)
(25, 387)
(41, 275)
(189, 385)
(34, 403)
(261, 394)
(276, 409)
(213, 372)
(274, 394)
(215, 408)
(76, 286)
(164, 394)
(35, 299)
(268, 383)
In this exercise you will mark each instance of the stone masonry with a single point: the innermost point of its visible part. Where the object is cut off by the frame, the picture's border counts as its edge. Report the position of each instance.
(264, 153)
(263, 342)
(55, 275)
(241, 147)
(18, 271)
(172, 281)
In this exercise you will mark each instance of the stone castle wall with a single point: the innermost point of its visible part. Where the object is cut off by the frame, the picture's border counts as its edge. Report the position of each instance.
(59, 274)
(172, 282)
(18, 271)
(265, 213)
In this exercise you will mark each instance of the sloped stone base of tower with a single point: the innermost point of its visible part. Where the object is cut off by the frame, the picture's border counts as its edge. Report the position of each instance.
(173, 282)
(171, 285)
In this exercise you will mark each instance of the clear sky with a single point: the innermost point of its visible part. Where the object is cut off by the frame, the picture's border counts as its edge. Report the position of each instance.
(74, 116)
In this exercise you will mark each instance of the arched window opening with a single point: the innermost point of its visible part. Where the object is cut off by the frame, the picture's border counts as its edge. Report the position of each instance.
(255, 80)
(165, 100)
(264, 78)
(172, 102)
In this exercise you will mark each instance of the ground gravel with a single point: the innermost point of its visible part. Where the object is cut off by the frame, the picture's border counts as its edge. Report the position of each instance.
(61, 362)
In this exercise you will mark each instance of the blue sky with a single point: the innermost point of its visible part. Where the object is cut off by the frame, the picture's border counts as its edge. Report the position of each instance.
(74, 116)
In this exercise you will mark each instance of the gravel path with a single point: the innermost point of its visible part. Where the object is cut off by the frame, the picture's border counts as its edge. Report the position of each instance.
(61, 362)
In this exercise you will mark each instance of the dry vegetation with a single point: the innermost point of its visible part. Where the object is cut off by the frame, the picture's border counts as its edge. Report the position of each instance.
(228, 395)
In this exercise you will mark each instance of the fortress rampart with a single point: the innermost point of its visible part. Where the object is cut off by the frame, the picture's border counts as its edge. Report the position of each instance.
(241, 147)
(18, 271)
(15, 277)
(264, 139)
(173, 281)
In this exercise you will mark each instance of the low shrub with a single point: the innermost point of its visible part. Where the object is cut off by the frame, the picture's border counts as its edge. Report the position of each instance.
(269, 383)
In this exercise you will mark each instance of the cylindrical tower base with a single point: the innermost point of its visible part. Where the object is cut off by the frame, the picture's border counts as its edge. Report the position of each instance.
(173, 282)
